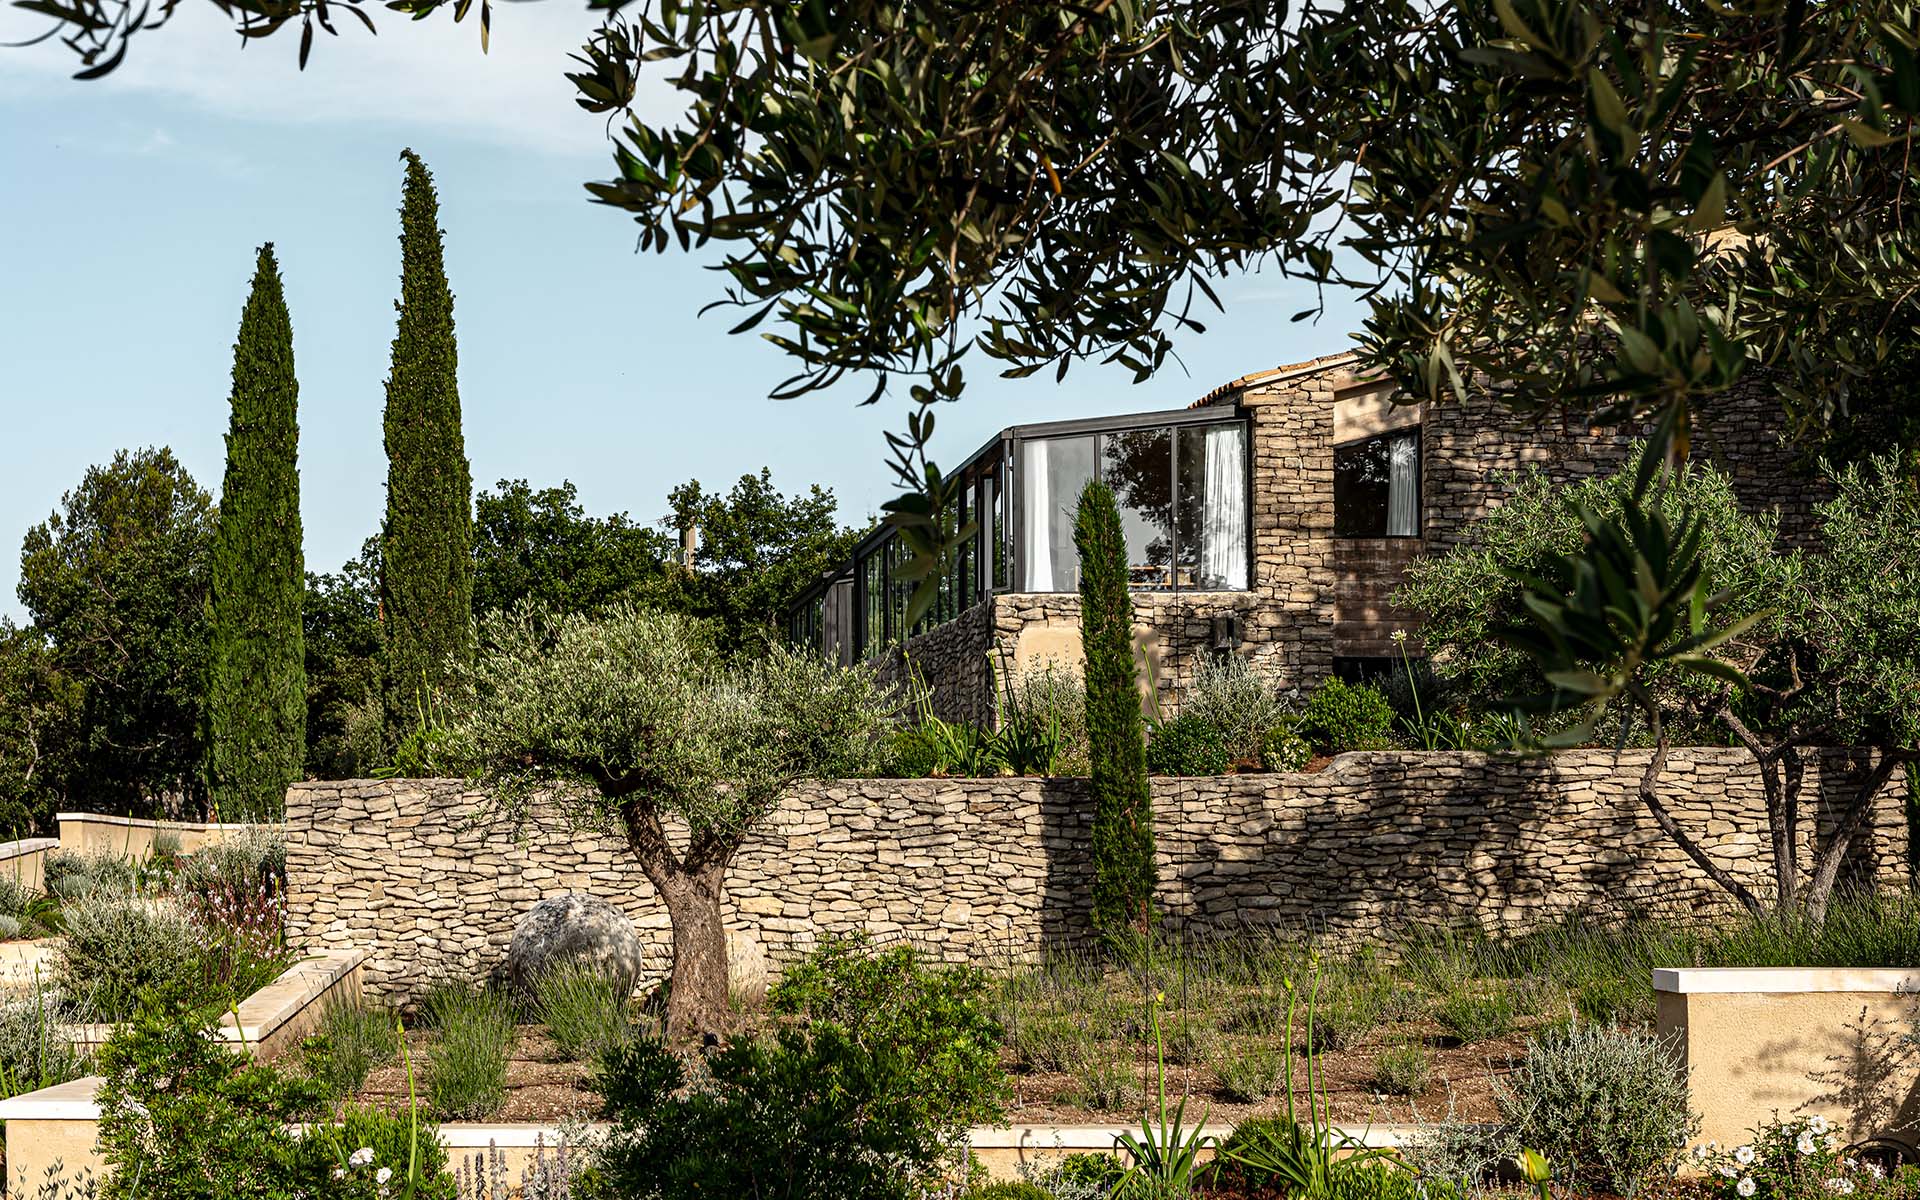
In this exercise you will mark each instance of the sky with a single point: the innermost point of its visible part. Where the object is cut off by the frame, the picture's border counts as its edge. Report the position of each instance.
(131, 207)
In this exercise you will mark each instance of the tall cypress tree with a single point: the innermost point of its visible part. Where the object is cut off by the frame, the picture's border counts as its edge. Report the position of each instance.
(426, 577)
(1123, 866)
(256, 702)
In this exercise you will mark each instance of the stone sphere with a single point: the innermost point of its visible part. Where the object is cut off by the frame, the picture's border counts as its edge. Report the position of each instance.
(572, 930)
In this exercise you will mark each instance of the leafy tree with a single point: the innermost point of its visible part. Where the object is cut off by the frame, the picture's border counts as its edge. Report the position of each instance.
(1651, 597)
(256, 679)
(633, 718)
(37, 728)
(1605, 206)
(1123, 866)
(758, 549)
(542, 546)
(426, 577)
(345, 715)
(116, 581)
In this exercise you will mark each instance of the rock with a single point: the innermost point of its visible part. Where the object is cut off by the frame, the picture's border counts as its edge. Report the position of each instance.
(572, 929)
(747, 973)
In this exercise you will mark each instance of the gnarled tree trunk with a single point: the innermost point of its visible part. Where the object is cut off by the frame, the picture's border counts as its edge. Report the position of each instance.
(691, 886)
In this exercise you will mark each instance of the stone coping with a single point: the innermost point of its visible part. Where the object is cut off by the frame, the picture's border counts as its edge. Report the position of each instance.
(142, 823)
(266, 1010)
(70, 1101)
(1764, 980)
(75, 1102)
(27, 846)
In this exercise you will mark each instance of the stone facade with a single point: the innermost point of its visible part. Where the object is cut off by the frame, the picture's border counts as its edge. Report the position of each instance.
(993, 871)
(1315, 597)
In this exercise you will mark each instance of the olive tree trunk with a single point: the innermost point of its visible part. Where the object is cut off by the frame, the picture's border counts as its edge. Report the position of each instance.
(691, 886)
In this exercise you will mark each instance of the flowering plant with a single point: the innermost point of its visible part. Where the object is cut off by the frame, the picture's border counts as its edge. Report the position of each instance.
(1801, 1159)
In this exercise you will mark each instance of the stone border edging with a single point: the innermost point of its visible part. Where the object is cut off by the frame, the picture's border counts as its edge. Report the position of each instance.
(1778, 980)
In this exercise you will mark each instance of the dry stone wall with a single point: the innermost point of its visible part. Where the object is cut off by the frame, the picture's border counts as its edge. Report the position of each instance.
(994, 870)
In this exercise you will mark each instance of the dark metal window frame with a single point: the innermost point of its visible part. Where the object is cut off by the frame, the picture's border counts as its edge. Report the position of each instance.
(1419, 484)
(1178, 419)
(999, 459)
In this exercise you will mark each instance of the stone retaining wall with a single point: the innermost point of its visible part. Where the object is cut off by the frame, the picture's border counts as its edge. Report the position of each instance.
(994, 870)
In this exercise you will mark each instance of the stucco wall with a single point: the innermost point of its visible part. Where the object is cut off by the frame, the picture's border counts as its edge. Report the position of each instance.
(994, 870)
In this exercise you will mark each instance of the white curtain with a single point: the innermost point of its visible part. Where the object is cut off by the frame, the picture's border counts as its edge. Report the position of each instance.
(1223, 525)
(1403, 487)
(1036, 552)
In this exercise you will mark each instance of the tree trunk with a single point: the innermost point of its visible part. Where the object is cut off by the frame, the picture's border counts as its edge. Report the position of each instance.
(690, 885)
(697, 991)
(1650, 796)
(1827, 871)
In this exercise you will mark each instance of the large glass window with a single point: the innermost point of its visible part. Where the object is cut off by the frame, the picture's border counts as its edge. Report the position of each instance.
(1376, 487)
(1182, 493)
(1212, 509)
(1055, 471)
(1138, 465)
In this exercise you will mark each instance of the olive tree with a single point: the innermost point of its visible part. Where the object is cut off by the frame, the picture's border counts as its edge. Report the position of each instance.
(631, 719)
(1651, 600)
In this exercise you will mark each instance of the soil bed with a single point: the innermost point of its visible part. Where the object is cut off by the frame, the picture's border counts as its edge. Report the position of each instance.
(542, 1086)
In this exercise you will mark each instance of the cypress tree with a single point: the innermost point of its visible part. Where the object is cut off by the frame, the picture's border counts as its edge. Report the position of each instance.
(1123, 866)
(426, 576)
(256, 702)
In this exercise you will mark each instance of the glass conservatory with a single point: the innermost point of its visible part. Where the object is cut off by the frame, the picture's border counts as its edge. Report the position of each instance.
(1181, 480)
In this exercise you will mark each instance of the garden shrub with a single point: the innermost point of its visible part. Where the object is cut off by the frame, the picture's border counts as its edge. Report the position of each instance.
(1607, 1107)
(1342, 716)
(473, 1038)
(34, 1054)
(1008, 1189)
(1463, 1156)
(1343, 1017)
(1251, 1072)
(353, 1038)
(1403, 1070)
(1101, 1085)
(364, 1153)
(585, 1011)
(1081, 1176)
(9, 928)
(865, 1089)
(1051, 1043)
(118, 945)
(1051, 696)
(909, 754)
(1239, 701)
(1284, 749)
(252, 861)
(1800, 1159)
(69, 874)
(184, 1117)
(1187, 745)
(1473, 1016)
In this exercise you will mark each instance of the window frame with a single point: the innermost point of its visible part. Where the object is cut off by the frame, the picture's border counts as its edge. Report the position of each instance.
(1419, 484)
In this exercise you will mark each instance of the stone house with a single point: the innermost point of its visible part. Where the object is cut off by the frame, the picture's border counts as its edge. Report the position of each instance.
(1272, 518)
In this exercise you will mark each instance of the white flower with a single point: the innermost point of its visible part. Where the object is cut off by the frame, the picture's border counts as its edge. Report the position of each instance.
(1699, 1153)
(1805, 1144)
(1745, 1186)
(1833, 1141)
(383, 1174)
(364, 1155)
(1743, 1154)
(339, 1172)
(1874, 1169)
(1727, 1170)
(1818, 1124)
(1842, 1187)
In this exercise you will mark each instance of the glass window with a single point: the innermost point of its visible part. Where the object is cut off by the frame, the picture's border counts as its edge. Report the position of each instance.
(1376, 487)
(1055, 470)
(1138, 465)
(1002, 528)
(1212, 508)
(873, 579)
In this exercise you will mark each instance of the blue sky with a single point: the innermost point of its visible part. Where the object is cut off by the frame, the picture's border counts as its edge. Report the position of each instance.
(131, 208)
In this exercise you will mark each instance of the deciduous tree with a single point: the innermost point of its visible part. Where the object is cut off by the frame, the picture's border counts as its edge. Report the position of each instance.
(116, 581)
